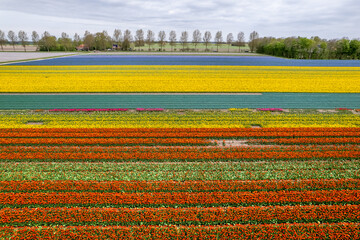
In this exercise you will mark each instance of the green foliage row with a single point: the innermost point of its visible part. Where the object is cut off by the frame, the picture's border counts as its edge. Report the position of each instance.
(107, 171)
(309, 48)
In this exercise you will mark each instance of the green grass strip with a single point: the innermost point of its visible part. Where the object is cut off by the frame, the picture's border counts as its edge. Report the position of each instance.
(328, 169)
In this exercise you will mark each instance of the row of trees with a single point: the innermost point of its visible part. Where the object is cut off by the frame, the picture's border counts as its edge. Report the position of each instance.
(309, 48)
(121, 41)
(292, 47)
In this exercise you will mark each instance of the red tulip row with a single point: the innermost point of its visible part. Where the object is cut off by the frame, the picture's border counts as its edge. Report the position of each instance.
(177, 186)
(296, 231)
(182, 216)
(308, 140)
(178, 198)
(175, 149)
(183, 132)
(180, 130)
(106, 141)
(166, 153)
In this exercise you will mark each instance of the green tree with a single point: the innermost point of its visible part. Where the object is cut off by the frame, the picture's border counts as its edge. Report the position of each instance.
(102, 41)
(355, 49)
(65, 41)
(89, 41)
(47, 42)
(343, 48)
(76, 40)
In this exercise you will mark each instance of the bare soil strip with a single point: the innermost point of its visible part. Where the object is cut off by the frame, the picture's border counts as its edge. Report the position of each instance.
(9, 57)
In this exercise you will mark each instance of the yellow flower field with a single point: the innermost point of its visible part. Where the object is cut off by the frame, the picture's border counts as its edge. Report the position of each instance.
(215, 119)
(179, 79)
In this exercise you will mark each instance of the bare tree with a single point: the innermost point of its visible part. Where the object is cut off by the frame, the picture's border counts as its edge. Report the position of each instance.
(240, 39)
(117, 38)
(196, 37)
(13, 38)
(65, 41)
(229, 40)
(2, 40)
(127, 40)
(253, 40)
(172, 39)
(218, 39)
(207, 39)
(162, 37)
(35, 39)
(23, 38)
(139, 38)
(150, 38)
(184, 39)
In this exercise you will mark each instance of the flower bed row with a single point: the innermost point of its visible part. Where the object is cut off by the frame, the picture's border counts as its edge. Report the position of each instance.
(182, 154)
(180, 216)
(175, 149)
(182, 171)
(308, 140)
(296, 231)
(13, 132)
(106, 141)
(89, 110)
(203, 119)
(177, 186)
(178, 198)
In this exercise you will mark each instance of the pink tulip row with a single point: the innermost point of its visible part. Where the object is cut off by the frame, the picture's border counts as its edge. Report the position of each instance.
(88, 109)
(106, 110)
(149, 109)
(270, 109)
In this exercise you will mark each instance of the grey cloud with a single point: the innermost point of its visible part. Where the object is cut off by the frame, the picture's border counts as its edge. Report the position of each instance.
(329, 18)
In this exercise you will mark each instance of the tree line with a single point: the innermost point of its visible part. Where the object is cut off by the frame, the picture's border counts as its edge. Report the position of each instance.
(291, 47)
(309, 48)
(122, 41)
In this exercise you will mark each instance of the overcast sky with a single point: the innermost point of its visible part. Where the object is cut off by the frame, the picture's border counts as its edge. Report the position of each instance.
(278, 18)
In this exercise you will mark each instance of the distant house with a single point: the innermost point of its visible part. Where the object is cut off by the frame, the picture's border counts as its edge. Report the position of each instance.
(81, 47)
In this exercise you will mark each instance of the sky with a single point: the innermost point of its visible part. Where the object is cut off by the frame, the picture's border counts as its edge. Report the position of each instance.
(327, 19)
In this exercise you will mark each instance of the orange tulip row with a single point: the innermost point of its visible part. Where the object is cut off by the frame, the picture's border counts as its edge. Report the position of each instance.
(106, 141)
(181, 132)
(293, 231)
(178, 198)
(150, 154)
(180, 216)
(309, 140)
(178, 186)
(173, 149)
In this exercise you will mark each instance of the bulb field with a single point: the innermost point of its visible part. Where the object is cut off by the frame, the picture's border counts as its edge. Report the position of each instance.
(157, 173)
